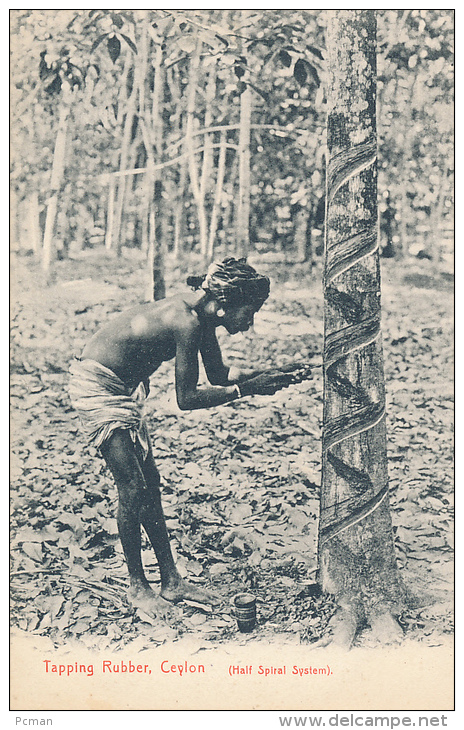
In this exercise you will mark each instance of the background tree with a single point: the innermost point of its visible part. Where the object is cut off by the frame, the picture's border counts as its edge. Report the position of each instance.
(234, 527)
(356, 551)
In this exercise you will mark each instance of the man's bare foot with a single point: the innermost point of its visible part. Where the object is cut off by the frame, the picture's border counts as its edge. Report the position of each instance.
(143, 597)
(180, 590)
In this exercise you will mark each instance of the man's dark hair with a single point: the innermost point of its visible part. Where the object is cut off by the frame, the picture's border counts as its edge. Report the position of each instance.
(233, 282)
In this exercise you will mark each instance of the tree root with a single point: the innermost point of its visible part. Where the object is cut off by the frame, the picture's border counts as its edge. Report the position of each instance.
(347, 622)
(385, 629)
(341, 630)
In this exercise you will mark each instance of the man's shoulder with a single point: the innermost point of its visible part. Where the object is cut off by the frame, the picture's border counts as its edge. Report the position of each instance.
(182, 318)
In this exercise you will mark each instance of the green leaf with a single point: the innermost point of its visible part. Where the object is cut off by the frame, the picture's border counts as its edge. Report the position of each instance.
(114, 48)
(285, 58)
(314, 72)
(33, 550)
(129, 42)
(299, 72)
(97, 42)
(315, 51)
(117, 20)
(223, 40)
(186, 43)
(239, 70)
(261, 92)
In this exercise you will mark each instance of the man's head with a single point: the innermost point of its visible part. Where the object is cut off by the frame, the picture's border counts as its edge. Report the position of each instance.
(236, 292)
(233, 282)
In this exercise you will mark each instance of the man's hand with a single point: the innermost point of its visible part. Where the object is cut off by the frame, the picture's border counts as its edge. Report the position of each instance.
(270, 381)
(267, 383)
(297, 372)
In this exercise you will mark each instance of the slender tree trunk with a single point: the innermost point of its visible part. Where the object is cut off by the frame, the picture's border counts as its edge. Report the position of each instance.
(218, 196)
(179, 212)
(244, 177)
(190, 148)
(435, 232)
(356, 552)
(147, 136)
(33, 223)
(15, 228)
(301, 219)
(157, 252)
(157, 243)
(56, 181)
(110, 215)
(242, 221)
(309, 248)
(116, 238)
(205, 182)
(179, 202)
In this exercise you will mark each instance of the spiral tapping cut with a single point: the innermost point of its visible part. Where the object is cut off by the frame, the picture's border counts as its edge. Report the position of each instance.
(352, 331)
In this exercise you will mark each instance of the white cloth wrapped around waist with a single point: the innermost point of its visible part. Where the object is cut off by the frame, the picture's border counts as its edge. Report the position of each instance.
(105, 403)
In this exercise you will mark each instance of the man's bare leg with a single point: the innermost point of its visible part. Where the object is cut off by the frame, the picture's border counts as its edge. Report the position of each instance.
(140, 503)
(173, 587)
(120, 457)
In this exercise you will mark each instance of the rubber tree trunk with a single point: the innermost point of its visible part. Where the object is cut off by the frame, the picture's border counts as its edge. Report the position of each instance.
(116, 238)
(218, 196)
(156, 240)
(31, 221)
(177, 125)
(110, 215)
(56, 181)
(244, 176)
(190, 148)
(242, 220)
(205, 182)
(356, 552)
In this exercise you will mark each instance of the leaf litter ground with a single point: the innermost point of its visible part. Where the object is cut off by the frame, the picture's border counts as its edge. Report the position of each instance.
(240, 482)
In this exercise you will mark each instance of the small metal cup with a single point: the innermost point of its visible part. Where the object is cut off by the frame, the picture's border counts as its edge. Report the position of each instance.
(243, 608)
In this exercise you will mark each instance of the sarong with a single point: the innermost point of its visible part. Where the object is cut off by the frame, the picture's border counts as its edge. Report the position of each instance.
(104, 403)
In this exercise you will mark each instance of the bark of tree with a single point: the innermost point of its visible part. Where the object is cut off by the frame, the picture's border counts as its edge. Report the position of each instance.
(110, 215)
(116, 238)
(30, 209)
(177, 121)
(56, 180)
(242, 220)
(156, 240)
(190, 149)
(221, 169)
(205, 181)
(244, 177)
(356, 551)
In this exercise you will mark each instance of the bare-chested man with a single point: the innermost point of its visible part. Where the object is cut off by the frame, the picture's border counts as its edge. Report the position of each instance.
(114, 370)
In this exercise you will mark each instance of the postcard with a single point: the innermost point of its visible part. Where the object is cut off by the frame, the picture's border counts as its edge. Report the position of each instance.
(232, 363)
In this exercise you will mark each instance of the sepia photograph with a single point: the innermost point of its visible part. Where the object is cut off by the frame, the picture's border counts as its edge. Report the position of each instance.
(232, 360)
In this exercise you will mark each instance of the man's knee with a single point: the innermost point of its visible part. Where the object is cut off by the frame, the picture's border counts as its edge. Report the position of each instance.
(133, 498)
(152, 476)
(120, 457)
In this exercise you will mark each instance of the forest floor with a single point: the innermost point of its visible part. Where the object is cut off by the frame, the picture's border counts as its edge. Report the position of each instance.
(240, 482)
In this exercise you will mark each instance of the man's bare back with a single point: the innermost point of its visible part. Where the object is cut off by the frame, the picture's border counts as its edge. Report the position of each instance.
(135, 343)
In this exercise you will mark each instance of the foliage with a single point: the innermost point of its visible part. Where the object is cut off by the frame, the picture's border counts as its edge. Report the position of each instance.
(240, 483)
(279, 55)
(416, 77)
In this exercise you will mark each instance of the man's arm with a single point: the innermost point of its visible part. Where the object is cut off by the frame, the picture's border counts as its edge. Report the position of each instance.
(216, 372)
(189, 395)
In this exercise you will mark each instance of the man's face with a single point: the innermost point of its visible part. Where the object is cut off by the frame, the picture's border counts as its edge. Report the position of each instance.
(239, 318)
